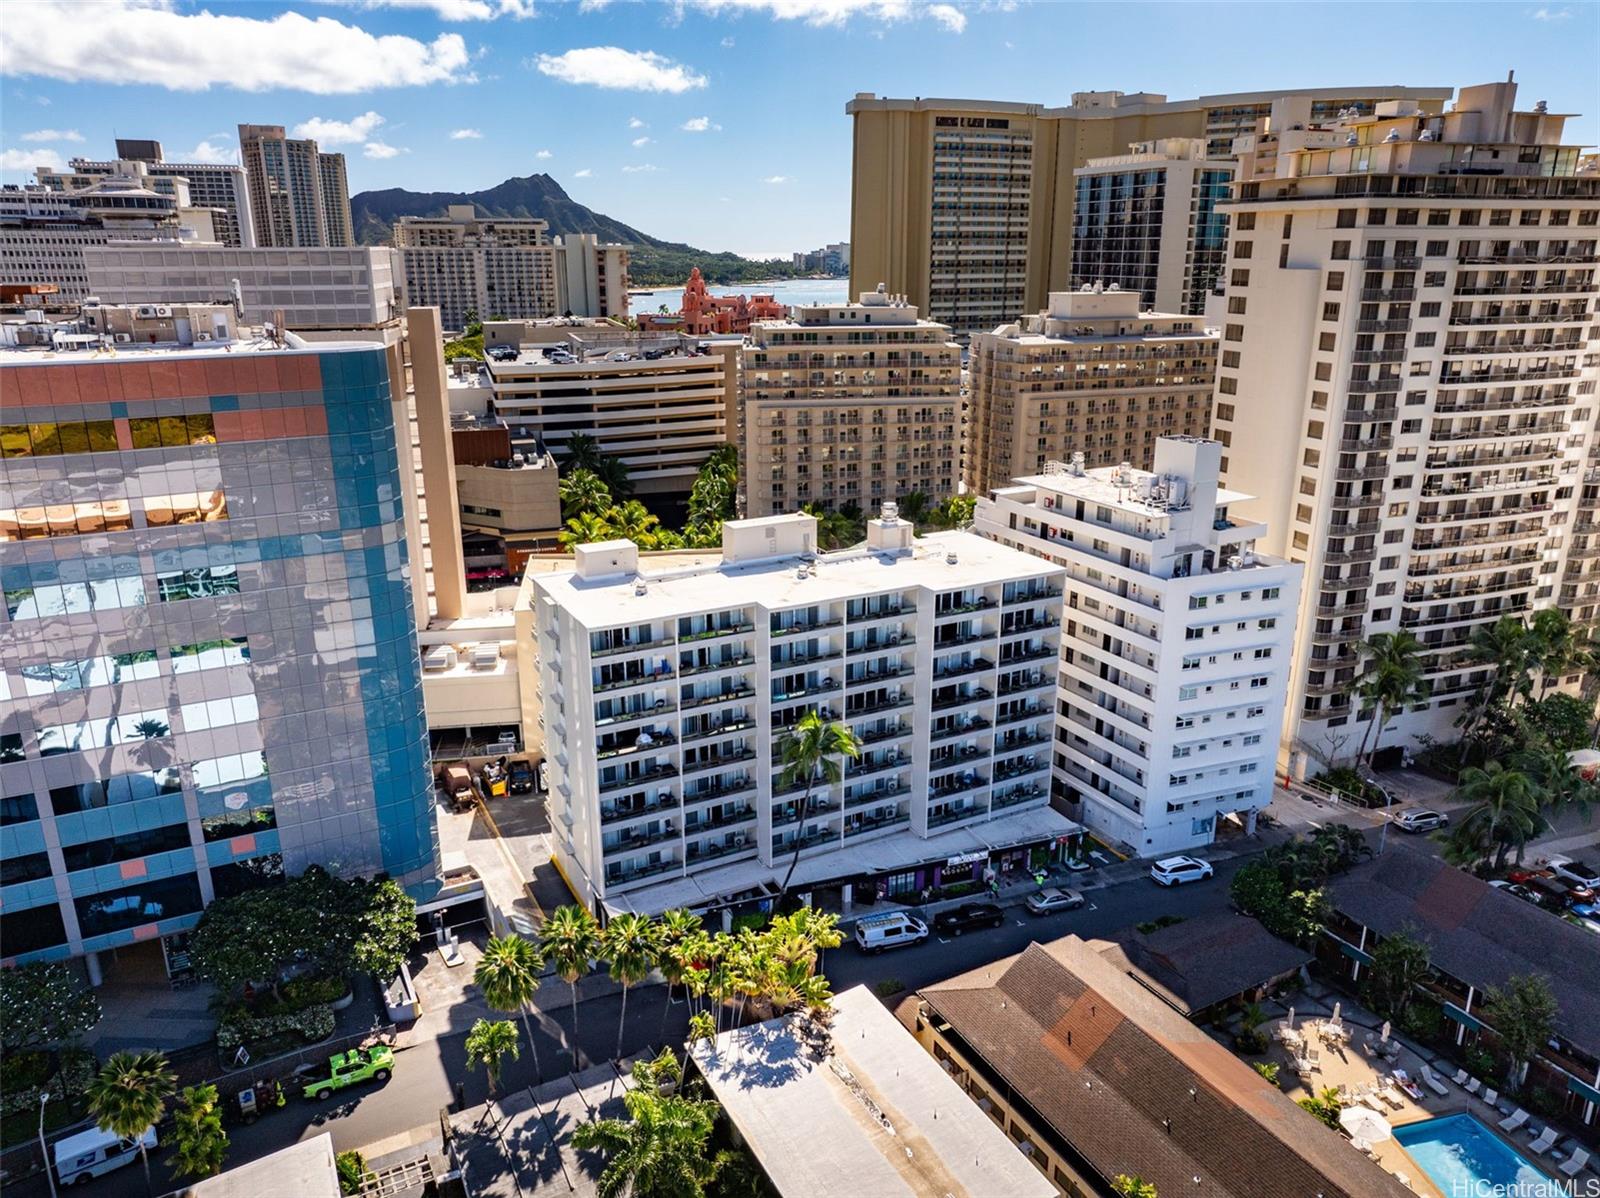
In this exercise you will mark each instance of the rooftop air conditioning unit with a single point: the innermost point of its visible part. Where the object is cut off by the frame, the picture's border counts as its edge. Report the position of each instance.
(145, 310)
(441, 658)
(202, 336)
(484, 656)
(124, 338)
(163, 310)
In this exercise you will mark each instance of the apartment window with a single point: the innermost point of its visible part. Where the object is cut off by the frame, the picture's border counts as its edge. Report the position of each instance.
(1410, 426)
(1263, 654)
(1239, 278)
(1268, 624)
(1283, 255)
(1336, 280)
(1416, 398)
(1271, 592)
(1407, 216)
(1324, 371)
(1377, 217)
(1341, 251)
(1425, 340)
(1308, 486)
(1311, 458)
(1319, 401)
(1243, 249)
(1468, 216)
(1437, 249)
(1236, 305)
(1398, 510)
(1227, 385)
(1394, 536)
(1301, 540)
(1244, 222)
(1433, 278)
(1314, 430)
(1330, 311)
(1388, 563)
(1438, 216)
(1384, 588)
(1402, 482)
(1430, 311)
(1230, 359)
(1325, 342)
(1347, 219)
(1224, 411)
(1303, 513)
(1234, 332)
(1382, 613)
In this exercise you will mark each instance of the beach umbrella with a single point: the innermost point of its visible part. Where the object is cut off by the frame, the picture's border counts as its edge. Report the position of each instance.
(1291, 1019)
(1336, 1007)
(1383, 1036)
(1366, 1126)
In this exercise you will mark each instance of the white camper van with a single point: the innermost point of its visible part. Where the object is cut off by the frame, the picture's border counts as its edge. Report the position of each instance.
(94, 1153)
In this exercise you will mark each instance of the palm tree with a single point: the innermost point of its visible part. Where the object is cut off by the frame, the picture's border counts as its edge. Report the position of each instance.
(129, 1095)
(508, 974)
(613, 471)
(629, 944)
(1504, 811)
(812, 751)
(662, 1149)
(678, 927)
(198, 1141)
(834, 529)
(954, 512)
(583, 492)
(914, 505)
(581, 451)
(584, 528)
(1558, 647)
(571, 940)
(1391, 679)
(489, 1041)
(1506, 646)
(635, 522)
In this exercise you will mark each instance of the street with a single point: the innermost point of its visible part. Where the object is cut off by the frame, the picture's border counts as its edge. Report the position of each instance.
(425, 1075)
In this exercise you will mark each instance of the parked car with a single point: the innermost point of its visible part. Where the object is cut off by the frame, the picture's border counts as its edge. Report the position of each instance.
(967, 918)
(521, 776)
(892, 929)
(1552, 892)
(1574, 871)
(1516, 888)
(346, 1069)
(1171, 871)
(1420, 819)
(1052, 899)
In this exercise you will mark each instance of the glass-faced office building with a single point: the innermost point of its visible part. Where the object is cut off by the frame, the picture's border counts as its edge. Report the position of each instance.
(208, 677)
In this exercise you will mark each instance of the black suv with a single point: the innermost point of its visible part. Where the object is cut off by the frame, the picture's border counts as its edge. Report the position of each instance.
(967, 917)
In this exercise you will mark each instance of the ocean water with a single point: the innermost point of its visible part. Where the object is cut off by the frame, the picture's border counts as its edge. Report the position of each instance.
(785, 291)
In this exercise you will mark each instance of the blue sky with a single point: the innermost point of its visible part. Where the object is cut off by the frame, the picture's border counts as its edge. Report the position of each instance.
(718, 122)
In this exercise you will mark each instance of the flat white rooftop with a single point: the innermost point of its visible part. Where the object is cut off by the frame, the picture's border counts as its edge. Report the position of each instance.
(303, 1170)
(1100, 486)
(872, 1114)
(776, 582)
(40, 355)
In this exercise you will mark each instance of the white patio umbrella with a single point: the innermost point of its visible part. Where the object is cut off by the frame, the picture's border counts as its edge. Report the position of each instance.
(1366, 1126)
(1383, 1035)
(1336, 1007)
(1290, 1020)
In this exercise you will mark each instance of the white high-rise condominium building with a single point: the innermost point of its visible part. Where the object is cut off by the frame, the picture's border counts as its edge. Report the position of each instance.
(1407, 386)
(1176, 642)
(666, 697)
(220, 187)
(850, 404)
(591, 276)
(1148, 221)
(1092, 372)
(463, 265)
(298, 195)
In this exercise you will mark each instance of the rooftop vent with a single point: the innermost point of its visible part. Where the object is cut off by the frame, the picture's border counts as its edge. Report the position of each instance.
(640, 588)
(484, 656)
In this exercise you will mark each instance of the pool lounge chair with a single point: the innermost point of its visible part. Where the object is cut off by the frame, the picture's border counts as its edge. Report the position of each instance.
(1460, 1078)
(1574, 1164)
(1472, 1085)
(1514, 1120)
(1491, 1096)
(1545, 1142)
(1435, 1082)
(1404, 1180)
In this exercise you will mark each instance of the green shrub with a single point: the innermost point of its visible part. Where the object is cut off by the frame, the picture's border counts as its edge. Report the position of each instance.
(1164, 921)
(957, 889)
(66, 1074)
(888, 987)
(352, 1167)
(1267, 1069)
(1252, 1042)
(1423, 1021)
(1481, 1062)
(1343, 778)
(22, 1069)
(755, 921)
(312, 1024)
(301, 993)
(1543, 1101)
(1325, 1106)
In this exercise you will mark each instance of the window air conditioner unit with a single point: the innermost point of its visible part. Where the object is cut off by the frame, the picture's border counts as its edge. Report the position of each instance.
(145, 310)
(738, 840)
(202, 336)
(124, 338)
(163, 310)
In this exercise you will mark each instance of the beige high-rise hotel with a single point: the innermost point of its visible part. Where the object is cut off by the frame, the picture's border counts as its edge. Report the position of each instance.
(1091, 374)
(1407, 385)
(850, 404)
(965, 207)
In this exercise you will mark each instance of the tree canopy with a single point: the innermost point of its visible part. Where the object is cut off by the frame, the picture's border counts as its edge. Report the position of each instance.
(44, 1002)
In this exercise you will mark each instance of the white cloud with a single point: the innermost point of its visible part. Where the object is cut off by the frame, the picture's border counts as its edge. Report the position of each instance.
(635, 123)
(592, 5)
(585, 173)
(836, 13)
(339, 133)
(1552, 14)
(53, 135)
(778, 179)
(640, 142)
(465, 135)
(644, 168)
(26, 160)
(616, 68)
(381, 149)
(727, 43)
(544, 154)
(222, 154)
(700, 124)
(456, 10)
(147, 42)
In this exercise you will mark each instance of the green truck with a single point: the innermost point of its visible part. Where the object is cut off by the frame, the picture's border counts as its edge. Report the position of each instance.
(346, 1069)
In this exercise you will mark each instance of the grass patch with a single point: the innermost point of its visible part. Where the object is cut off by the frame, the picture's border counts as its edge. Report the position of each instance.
(888, 987)
(1155, 925)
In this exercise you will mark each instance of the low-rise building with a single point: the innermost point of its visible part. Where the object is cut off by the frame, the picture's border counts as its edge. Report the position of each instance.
(704, 314)
(1092, 373)
(861, 1109)
(845, 404)
(508, 495)
(666, 698)
(1095, 1077)
(1176, 644)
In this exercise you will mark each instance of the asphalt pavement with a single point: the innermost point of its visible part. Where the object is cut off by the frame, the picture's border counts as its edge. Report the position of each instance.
(426, 1074)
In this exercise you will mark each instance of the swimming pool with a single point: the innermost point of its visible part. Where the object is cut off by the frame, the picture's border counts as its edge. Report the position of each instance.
(1462, 1156)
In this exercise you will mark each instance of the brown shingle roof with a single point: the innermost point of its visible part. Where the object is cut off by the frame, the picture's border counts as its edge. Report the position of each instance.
(1206, 959)
(1135, 1088)
(1477, 933)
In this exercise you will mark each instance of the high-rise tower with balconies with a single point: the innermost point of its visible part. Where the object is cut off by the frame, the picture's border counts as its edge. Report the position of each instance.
(1407, 386)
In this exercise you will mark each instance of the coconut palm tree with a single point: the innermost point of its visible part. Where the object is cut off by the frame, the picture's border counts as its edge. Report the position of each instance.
(508, 975)
(613, 471)
(1505, 812)
(198, 1140)
(663, 1149)
(834, 529)
(1390, 680)
(812, 751)
(581, 451)
(488, 1043)
(635, 522)
(677, 927)
(584, 528)
(571, 940)
(629, 943)
(1558, 647)
(129, 1095)
(581, 492)
(914, 506)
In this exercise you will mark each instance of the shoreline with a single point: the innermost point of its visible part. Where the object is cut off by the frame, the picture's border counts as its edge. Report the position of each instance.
(845, 279)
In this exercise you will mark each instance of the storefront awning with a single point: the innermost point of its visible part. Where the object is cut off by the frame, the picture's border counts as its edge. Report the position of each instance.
(1583, 1090)
(1350, 950)
(1471, 1022)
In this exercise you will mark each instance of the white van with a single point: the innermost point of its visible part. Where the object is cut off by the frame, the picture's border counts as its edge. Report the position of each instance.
(892, 929)
(94, 1153)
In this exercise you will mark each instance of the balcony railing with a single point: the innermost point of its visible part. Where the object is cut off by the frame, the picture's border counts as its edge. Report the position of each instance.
(641, 779)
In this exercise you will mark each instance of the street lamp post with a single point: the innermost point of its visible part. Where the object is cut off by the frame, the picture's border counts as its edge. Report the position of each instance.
(44, 1149)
